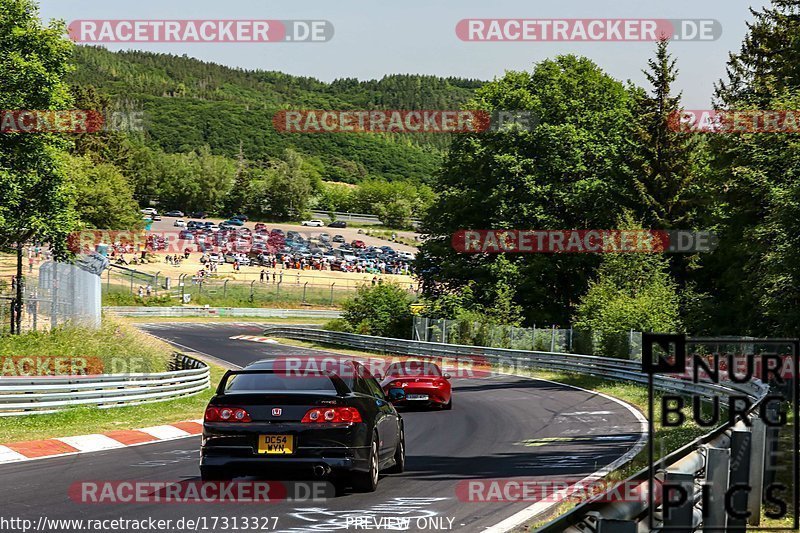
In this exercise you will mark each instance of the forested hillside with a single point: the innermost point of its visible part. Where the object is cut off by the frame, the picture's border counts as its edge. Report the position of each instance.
(189, 104)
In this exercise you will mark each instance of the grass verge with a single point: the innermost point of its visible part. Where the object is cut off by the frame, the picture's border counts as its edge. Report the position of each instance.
(87, 420)
(115, 347)
(116, 344)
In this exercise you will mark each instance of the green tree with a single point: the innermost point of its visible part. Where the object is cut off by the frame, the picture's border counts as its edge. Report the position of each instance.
(382, 310)
(632, 291)
(286, 193)
(34, 192)
(768, 62)
(102, 196)
(569, 171)
(751, 276)
(667, 180)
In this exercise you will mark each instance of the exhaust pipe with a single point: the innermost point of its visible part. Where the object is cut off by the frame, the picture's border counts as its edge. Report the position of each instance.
(321, 470)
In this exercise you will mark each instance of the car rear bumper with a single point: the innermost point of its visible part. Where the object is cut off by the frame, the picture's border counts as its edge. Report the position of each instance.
(338, 447)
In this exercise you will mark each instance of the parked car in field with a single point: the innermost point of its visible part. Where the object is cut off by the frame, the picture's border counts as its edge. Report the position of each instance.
(324, 237)
(358, 244)
(406, 256)
(231, 257)
(174, 214)
(234, 222)
(198, 214)
(338, 238)
(338, 224)
(179, 223)
(312, 223)
(149, 211)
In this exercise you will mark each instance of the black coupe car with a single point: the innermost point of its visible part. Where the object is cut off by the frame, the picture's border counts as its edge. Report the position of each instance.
(339, 426)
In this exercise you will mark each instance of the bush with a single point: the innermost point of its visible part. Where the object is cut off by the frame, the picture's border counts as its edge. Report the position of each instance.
(338, 324)
(382, 310)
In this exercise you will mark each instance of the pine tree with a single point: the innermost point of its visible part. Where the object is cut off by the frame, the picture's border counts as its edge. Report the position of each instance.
(769, 60)
(666, 170)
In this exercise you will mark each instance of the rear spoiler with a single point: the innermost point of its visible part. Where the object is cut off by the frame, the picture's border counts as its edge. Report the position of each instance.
(340, 386)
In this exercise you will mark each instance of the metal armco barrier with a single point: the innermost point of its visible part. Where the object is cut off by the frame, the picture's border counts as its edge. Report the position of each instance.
(37, 395)
(249, 312)
(722, 458)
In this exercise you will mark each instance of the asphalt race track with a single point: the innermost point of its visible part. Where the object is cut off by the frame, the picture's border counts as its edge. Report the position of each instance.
(501, 427)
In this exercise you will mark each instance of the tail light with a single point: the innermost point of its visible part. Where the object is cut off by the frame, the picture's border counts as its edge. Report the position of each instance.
(439, 383)
(398, 384)
(226, 414)
(332, 414)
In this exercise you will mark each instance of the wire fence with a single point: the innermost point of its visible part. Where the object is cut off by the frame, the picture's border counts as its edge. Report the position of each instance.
(127, 286)
(53, 295)
(624, 345)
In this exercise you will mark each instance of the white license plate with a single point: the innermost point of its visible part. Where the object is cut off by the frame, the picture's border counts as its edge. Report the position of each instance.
(417, 397)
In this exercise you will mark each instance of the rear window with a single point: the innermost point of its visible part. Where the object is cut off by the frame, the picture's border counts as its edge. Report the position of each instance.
(277, 382)
(413, 368)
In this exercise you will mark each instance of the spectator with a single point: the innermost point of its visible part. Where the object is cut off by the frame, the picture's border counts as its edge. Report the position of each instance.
(262, 275)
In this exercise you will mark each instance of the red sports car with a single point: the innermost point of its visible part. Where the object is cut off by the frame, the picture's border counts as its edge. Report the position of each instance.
(422, 382)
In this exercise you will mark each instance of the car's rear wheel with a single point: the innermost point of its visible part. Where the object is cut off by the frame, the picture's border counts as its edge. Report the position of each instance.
(368, 481)
(399, 456)
(214, 473)
(448, 405)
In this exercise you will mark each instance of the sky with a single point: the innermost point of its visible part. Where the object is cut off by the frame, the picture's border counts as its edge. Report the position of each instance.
(375, 38)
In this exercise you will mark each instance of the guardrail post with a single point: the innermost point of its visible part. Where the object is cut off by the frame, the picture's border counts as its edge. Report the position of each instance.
(225, 288)
(741, 440)
(332, 284)
(758, 444)
(610, 525)
(680, 517)
(155, 282)
(553, 338)
(305, 287)
(718, 465)
(252, 291)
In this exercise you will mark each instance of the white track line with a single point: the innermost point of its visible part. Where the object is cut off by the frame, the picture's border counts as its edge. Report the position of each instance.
(539, 508)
